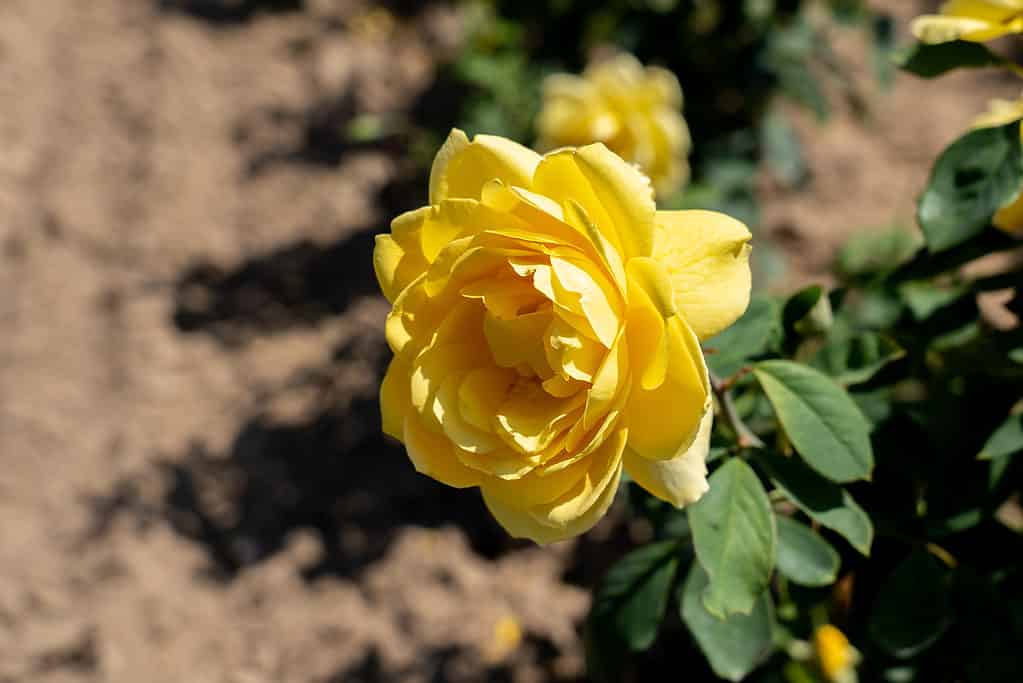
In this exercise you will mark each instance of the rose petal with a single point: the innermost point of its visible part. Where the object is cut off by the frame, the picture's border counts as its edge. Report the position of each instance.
(707, 256)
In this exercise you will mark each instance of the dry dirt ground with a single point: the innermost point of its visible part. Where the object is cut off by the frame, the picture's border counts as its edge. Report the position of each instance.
(192, 483)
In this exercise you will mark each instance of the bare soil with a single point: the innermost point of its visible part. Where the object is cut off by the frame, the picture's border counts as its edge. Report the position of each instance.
(193, 484)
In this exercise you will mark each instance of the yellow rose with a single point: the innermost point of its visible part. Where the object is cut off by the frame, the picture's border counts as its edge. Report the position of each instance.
(635, 111)
(973, 20)
(836, 658)
(1001, 112)
(545, 327)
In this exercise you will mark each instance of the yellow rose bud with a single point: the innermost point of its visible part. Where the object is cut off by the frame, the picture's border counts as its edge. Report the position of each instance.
(635, 111)
(973, 20)
(1002, 112)
(835, 656)
(545, 326)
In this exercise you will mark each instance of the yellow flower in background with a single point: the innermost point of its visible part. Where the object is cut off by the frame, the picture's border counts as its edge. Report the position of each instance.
(545, 326)
(973, 20)
(635, 111)
(836, 658)
(1001, 112)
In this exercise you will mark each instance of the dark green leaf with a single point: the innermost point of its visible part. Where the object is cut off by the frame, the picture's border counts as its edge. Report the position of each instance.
(821, 420)
(977, 175)
(630, 603)
(959, 337)
(852, 358)
(733, 646)
(912, 609)
(926, 264)
(735, 537)
(928, 61)
(828, 503)
(803, 556)
(758, 331)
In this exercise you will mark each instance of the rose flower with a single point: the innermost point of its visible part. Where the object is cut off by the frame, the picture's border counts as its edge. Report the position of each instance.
(635, 110)
(545, 327)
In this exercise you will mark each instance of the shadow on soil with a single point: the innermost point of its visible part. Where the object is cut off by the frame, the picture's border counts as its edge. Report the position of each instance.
(229, 11)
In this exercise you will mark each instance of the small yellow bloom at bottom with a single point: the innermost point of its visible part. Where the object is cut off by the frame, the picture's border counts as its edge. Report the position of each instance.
(835, 656)
(506, 639)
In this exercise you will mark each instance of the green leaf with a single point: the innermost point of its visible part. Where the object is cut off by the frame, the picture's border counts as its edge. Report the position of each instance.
(735, 538)
(1005, 441)
(926, 264)
(757, 332)
(828, 503)
(977, 175)
(630, 603)
(924, 298)
(821, 420)
(733, 647)
(803, 306)
(913, 608)
(782, 150)
(928, 61)
(852, 358)
(872, 252)
(805, 557)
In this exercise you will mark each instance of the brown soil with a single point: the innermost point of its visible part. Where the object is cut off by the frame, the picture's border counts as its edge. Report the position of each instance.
(193, 485)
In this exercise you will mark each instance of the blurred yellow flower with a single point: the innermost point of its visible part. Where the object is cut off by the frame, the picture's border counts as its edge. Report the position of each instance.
(1001, 112)
(545, 326)
(635, 111)
(835, 656)
(973, 20)
(506, 639)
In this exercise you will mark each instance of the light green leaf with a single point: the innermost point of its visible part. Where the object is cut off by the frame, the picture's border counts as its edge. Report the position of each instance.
(913, 608)
(821, 420)
(808, 311)
(735, 646)
(630, 602)
(1005, 441)
(928, 61)
(871, 252)
(977, 175)
(758, 331)
(735, 538)
(783, 152)
(828, 503)
(924, 298)
(803, 556)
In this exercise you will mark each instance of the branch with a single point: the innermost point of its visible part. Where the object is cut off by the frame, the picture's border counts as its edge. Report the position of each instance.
(746, 437)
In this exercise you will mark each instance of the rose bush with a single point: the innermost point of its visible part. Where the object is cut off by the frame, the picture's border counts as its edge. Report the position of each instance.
(546, 329)
(635, 111)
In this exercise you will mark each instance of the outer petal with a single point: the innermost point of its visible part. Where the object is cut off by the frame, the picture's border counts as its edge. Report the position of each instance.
(395, 400)
(707, 256)
(663, 421)
(461, 168)
(398, 258)
(681, 480)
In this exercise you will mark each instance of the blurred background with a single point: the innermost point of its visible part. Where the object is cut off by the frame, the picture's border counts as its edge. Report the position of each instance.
(193, 483)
